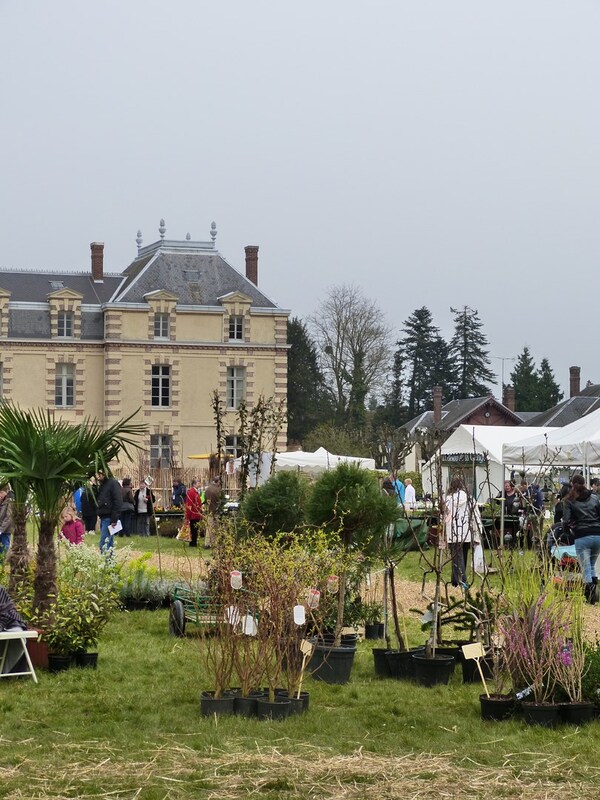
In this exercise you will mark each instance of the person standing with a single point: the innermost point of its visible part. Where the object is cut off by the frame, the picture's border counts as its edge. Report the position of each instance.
(72, 528)
(212, 495)
(143, 508)
(463, 525)
(581, 515)
(5, 519)
(126, 507)
(110, 500)
(178, 494)
(398, 489)
(410, 496)
(193, 511)
(89, 507)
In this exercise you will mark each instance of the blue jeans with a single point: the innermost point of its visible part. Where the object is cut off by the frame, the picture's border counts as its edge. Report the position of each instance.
(107, 540)
(4, 543)
(588, 550)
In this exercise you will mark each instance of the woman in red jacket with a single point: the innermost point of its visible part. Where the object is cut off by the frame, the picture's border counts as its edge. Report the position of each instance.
(193, 511)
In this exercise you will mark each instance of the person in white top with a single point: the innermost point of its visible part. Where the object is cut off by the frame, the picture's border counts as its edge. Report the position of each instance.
(463, 525)
(410, 496)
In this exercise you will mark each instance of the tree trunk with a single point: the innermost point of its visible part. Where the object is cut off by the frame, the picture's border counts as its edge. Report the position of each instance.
(18, 555)
(399, 638)
(339, 623)
(44, 582)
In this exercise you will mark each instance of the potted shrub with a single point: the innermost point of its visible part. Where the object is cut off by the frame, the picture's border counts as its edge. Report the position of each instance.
(347, 501)
(372, 619)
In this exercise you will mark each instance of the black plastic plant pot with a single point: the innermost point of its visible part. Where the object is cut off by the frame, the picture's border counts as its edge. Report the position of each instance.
(278, 710)
(221, 706)
(59, 663)
(400, 664)
(546, 715)
(496, 708)
(332, 664)
(89, 660)
(577, 713)
(296, 706)
(432, 671)
(382, 667)
(244, 706)
(374, 631)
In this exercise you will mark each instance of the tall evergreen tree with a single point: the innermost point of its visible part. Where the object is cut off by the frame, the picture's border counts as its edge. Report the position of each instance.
(308, 405)
(422, 354)
(525, 382)
(468, 351)
(548, 392)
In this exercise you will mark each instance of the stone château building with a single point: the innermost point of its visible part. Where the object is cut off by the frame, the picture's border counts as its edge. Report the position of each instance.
(176, 324)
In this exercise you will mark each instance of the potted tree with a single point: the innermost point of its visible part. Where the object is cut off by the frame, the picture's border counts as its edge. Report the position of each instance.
(348, 502)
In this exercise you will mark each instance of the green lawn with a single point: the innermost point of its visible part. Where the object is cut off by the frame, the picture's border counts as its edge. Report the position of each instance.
(132, 729)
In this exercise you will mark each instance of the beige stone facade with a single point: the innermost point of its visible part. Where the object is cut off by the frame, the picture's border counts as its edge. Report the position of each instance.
(157, 339)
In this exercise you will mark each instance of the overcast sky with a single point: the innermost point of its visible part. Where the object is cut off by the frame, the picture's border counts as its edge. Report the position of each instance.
(435, 153)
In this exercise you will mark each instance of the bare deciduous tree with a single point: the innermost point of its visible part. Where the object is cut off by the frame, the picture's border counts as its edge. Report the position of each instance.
(354, 348)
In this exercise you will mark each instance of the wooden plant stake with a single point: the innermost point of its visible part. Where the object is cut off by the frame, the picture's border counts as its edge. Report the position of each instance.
(475, 651)
(306, 648)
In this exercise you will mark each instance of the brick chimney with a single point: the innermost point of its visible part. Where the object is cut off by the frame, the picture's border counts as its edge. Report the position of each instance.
(97, 249)
(574, 381)
(252, 263)
(509, 398)
(437, 405)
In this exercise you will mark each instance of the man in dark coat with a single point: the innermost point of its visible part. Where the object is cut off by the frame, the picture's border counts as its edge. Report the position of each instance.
(109, 499)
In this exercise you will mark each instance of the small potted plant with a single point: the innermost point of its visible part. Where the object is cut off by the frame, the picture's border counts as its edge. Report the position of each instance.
(372, 619)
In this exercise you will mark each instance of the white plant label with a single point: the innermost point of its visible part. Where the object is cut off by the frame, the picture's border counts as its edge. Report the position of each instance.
(235, 579)
(299, 615)
(314, 596)
(249, 626)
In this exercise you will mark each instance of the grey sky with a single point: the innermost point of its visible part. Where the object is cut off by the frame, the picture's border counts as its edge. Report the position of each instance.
(434, 153)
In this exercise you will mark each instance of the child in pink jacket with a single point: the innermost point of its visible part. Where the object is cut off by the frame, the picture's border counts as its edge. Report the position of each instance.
(72, 529)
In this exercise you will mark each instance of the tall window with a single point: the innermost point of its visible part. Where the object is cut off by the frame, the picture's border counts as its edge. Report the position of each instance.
(64, 386)
(236, 379)
(233, 446)
(161, 326)
(161, 448)
(236, 327)
(65, 324)
(161, 385)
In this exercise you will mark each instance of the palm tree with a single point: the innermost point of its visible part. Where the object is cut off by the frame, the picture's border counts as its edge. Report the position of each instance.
(43, 457)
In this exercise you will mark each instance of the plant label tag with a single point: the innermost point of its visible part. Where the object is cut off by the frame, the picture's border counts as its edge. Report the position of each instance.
(427, 617)
(332, 584)
(306, 647)
(299, 615)
(474, 650)
(313, 598)
(249, 626)
(347, 631)
(235, 579)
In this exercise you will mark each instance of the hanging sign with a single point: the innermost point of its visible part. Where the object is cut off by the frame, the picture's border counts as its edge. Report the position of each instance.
(235, 579)
(249, 626)
(299, 615)
(314, 596)
(333, 583)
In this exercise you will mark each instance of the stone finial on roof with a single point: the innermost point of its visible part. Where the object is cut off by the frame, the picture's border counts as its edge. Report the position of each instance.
(213, 231)
(162, 229)
(139, 239)
(188, 236)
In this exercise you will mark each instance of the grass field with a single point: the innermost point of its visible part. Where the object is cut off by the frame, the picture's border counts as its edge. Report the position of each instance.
(132, 729)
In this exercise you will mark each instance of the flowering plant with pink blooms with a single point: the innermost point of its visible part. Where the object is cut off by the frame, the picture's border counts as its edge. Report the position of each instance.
(535, 631)
(570, 666)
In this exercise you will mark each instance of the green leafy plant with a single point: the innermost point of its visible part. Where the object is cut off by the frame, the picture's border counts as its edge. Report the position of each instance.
(371, 612)
(278, 505)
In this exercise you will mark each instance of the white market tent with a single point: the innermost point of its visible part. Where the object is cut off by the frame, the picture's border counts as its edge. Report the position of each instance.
(302, 461)
(478, 450)
(577, 444)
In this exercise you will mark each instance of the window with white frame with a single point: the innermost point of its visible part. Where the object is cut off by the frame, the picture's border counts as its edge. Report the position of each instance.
(64, 386)
(161, 385)
(236, 380)
(236, 327)
(161, 449)
(161, 325)
(65, 324)
(233, 446)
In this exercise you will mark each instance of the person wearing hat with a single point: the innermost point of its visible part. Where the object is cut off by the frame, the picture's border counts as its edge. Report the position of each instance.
(143, 508)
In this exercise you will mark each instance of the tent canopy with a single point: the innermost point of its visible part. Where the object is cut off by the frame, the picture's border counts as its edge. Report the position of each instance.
(303, 461)
(575, 444)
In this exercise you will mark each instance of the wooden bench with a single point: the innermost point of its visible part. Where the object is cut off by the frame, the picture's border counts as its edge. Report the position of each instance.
(6, 637)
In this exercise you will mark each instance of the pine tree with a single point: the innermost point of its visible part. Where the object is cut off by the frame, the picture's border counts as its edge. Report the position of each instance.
(549, 393)
(525, 382)
(468, 350)
(423, 355)
(307, 402)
